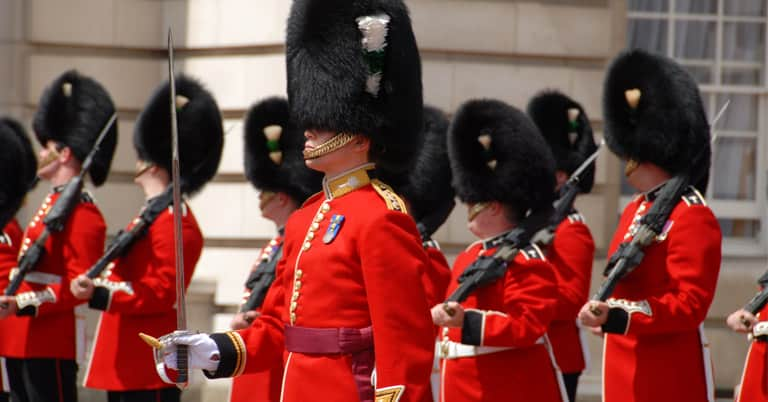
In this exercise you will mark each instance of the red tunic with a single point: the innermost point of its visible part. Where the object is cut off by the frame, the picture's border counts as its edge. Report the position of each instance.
(367, 272)
(45, 301)
(754, 379)
(514, 313)
(263, 386)
(438, 274)
(658, 353)
(138, 294)
(571, 253)
(10, 241)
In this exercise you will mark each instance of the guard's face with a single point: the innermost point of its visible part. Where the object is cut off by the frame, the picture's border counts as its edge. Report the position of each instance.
(266, 203)
(315, 138)
(48, 160)
(479, 216)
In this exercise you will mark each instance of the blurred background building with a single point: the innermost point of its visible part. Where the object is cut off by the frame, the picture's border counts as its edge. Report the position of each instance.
(506, 49)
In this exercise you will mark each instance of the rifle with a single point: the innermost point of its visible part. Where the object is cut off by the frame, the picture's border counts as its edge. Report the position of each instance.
(57, 217)
(564, 204)
(262, 281)
(757, 302)
(630, 254)
(125, 239)
(488, 269)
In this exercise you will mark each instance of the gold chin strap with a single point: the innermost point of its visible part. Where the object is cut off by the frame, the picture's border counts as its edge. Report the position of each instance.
(142, 167)
(474, 210)
(52, 156)
(336, 142)
(630, 167)
(265, 197)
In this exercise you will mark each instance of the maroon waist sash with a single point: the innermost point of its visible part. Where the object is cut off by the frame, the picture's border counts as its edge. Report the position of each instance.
(352, 341)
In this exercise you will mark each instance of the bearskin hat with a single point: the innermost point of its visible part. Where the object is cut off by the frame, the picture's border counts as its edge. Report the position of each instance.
(498, 154)
(428, 186)
(273, 152)
(668, 126)
(354, 67)
(18, 168)
(565, 126)
(201, 133)
(72, 111)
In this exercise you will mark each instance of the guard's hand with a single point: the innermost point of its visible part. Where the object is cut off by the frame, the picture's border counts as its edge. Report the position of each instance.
(8, 306)
(741, 321)
(243, 320)
(442, 318)
(594, 314)
(82, 287)
(202, 352)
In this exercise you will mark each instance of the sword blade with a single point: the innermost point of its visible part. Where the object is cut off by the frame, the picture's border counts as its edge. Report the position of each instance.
(181, 313)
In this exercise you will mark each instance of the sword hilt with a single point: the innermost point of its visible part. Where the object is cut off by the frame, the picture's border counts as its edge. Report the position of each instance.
(182, 365)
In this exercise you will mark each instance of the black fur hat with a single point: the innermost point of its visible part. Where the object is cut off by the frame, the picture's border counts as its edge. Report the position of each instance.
(497, 154)
(18, 168)
(565, 126)
(668, 127)
(273, 152)
(428, 186)
(72, 111)
(331, 80)
(201, 134)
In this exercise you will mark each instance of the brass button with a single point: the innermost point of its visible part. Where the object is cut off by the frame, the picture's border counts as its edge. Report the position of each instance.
(27, 240)
(293, 317)
(297, 285)
(295, 296)
(299, 273)
(306, 246)
(325, 208)
(314, 226)
(319, 217)
(294, 305)
(310, 236)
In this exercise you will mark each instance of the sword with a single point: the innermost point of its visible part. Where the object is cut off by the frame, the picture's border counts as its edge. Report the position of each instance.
(181, 314)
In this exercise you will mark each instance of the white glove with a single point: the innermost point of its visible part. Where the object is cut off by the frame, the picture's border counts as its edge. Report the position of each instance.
(202, 352)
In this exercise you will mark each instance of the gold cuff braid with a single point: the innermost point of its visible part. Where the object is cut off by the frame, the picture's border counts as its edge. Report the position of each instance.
(338, 141)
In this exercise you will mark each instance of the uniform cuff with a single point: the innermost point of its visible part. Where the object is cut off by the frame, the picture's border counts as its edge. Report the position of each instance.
(472, 329)
(100, 298)
(617, 322)
(232, 354)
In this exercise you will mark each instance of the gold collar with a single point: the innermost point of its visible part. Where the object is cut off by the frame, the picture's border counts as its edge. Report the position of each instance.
(345, 182)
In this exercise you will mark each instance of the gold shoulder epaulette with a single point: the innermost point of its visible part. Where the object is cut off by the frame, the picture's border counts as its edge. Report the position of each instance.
(694, 197)
(394, 202)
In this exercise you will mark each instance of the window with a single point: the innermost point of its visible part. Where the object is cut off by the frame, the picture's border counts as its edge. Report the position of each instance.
(722, 43)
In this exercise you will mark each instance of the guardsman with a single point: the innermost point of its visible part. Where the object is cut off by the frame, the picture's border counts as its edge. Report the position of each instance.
(429, 196)
(136, 292)
(45, 341)
(494, 346)
(566, 128)
(654, 345)
(274, 164)
(18, 170)
(349, 312)
(754, 377)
